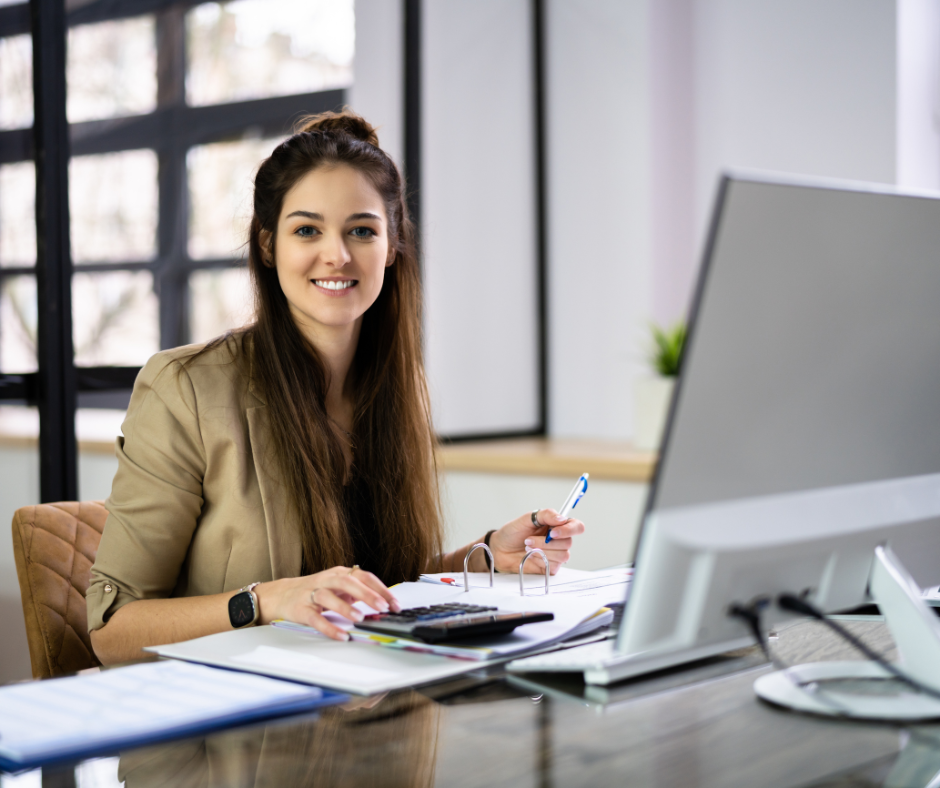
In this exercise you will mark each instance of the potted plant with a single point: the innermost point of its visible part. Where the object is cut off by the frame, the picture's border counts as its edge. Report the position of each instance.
(653, 394)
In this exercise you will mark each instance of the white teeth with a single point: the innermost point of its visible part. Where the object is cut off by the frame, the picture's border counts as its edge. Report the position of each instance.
(335, 285)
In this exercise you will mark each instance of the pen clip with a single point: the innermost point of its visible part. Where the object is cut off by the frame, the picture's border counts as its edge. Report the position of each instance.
(466, 563)
(534, 551)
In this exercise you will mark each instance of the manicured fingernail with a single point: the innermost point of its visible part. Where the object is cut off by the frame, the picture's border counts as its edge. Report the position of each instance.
(382, 606)
(343, 636)
(559, 518)
(528, 549)
(357, 615)
(528, 542)
(396, 608)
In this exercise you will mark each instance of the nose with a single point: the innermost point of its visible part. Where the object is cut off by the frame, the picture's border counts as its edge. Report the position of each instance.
(334, 251)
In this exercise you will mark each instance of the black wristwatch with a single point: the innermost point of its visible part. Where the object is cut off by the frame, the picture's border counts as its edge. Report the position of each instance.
(243, 607)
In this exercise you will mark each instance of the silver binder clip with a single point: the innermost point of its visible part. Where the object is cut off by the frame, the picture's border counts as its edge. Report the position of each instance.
(466, 563)
(534, 551)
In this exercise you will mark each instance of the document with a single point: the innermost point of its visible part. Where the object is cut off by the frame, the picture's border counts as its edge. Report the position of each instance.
(363, 666)
(79, 716)
(604, 586)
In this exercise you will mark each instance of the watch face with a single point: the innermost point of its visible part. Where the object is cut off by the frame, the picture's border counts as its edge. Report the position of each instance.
(241, 609)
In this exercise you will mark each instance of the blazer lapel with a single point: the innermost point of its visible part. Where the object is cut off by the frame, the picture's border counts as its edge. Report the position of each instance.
(283, 529)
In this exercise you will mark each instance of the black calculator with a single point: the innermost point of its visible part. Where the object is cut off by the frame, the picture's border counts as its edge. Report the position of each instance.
(452, 621)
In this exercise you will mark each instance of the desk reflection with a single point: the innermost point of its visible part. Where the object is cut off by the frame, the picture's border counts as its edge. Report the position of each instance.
(390, 741)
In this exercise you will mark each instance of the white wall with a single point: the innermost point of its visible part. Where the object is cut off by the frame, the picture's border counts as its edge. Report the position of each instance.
(599, 218)
(918, 115)
(478, 215)
(378, 86)
(806, 86)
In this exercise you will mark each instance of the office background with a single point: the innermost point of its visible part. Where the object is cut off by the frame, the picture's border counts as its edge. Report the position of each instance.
(567, 154)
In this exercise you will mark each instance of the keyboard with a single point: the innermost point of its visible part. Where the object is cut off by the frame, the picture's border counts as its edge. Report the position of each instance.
(574, 660)
(453, 621)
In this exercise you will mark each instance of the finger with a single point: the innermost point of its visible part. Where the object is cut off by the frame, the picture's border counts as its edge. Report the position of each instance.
(359, 590)
(371, 581)
(328, 600)
(555, 544)
(569, 529)
(327, 627)
(548, 518)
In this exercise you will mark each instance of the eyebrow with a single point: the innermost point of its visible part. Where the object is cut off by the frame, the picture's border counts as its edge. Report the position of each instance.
(318, 217)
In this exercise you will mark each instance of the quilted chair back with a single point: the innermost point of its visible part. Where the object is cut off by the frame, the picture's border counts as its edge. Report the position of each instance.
(54, 545)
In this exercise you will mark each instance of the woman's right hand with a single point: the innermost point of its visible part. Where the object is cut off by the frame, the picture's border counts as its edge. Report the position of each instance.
(304, 599)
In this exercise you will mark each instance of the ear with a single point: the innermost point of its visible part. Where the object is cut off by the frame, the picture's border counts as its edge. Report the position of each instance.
(391, 257)
(266, 241)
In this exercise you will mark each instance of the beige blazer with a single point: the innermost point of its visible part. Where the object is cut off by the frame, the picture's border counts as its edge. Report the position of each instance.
(196, 506)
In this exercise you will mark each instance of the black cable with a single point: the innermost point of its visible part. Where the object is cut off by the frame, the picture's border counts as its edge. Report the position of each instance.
(750, 615)
(795, 604)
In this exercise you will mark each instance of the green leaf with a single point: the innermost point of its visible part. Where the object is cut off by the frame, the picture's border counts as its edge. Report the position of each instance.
(666, 351)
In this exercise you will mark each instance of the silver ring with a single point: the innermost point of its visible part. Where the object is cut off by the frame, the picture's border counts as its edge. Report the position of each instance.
(313, 600)
(535, 518)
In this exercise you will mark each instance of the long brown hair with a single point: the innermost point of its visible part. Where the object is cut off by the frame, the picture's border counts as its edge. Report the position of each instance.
(392, 435)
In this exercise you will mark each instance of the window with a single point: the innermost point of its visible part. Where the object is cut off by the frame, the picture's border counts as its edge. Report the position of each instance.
(170, 113)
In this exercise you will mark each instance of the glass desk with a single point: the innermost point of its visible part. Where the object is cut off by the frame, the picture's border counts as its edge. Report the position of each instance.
(701, 726)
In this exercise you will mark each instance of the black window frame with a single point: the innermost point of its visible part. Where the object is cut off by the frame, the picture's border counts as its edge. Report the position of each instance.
(171, 130)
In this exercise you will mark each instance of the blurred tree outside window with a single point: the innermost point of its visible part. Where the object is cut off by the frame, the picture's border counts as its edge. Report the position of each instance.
(113, 207)
(250, 49)
(16, 82)
(112, 69)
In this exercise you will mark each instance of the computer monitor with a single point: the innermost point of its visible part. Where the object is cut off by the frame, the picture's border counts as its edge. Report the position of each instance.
(804, 429)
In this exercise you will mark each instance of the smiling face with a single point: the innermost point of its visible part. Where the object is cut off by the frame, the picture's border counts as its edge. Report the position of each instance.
(331, 251)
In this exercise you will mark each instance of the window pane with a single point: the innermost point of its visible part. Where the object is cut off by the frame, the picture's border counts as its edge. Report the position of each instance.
(18, 214)
(18, 324)
(112, 69)
(219, 300)
(251, 49)
(220, 183)
(19, 421)
(115, 318)
(113, 203)
(16, 82)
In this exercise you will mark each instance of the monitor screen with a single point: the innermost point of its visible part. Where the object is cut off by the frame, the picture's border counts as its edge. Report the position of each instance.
(813, 357)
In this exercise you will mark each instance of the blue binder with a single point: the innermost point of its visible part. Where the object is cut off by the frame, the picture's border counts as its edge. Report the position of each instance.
(69, 719)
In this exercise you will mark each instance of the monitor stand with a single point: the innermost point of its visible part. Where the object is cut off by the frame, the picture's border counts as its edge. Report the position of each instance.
(916, 631)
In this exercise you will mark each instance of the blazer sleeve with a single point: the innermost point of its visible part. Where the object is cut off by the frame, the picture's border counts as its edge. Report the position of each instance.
(156, 497)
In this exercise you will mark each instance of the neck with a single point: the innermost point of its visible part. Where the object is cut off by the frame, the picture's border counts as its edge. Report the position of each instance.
(336, 346)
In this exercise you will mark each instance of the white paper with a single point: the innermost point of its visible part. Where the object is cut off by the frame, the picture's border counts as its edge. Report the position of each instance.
(315, 668)
(49, 716)
(604, 586)
(569, 612)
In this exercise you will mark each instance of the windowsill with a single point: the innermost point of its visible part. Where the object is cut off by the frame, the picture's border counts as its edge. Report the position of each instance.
(95, 429)
(569, 457)
(611, 460)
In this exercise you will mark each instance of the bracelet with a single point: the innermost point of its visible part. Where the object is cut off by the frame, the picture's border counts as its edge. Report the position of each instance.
(486, 541)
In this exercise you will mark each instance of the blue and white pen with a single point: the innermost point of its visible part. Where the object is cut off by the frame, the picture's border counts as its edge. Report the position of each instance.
(571, 501)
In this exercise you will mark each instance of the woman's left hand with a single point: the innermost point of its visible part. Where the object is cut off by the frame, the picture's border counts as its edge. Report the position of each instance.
(511, 542)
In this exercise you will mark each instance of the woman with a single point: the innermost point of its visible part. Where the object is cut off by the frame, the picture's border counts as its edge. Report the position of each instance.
(282, 458)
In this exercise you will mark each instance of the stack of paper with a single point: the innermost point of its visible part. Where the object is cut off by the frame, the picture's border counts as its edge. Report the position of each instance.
(364, 667)
(604, 586)
(46, 721)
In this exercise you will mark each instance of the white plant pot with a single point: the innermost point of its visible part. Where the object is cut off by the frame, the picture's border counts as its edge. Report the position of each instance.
(651, 405)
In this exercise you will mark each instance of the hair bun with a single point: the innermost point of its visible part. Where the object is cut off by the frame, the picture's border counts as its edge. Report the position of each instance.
(346, 122)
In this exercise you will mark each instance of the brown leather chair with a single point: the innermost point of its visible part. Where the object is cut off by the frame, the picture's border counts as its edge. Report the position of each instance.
(54, 545)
